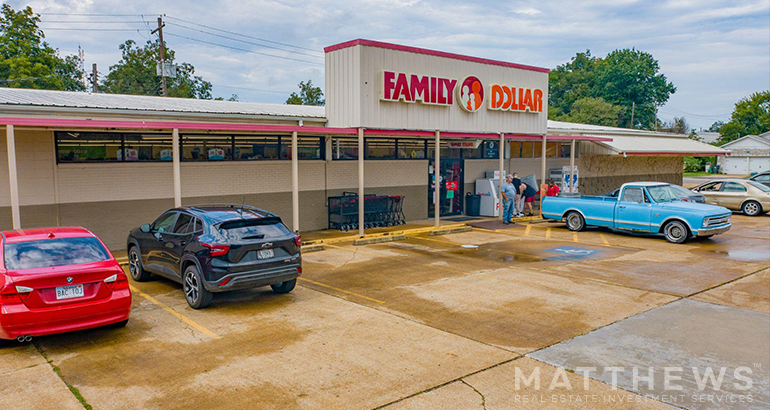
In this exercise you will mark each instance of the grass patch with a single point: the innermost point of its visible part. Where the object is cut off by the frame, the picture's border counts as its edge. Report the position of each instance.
(74, 390)
(699, 174)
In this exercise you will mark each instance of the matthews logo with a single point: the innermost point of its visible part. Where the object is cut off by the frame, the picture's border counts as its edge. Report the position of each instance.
(413, 88)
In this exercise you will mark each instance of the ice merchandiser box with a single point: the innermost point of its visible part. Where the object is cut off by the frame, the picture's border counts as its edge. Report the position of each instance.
(489, 190)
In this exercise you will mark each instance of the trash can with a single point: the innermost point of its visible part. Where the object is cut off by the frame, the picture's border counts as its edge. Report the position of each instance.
(472, 204)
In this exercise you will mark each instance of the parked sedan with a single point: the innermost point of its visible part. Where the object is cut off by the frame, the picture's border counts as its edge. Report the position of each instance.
(749, 197)
(216, 248)
(762, 177)
(55, 280)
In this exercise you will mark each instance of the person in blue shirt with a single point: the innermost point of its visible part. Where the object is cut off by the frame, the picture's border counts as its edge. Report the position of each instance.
(509, 194)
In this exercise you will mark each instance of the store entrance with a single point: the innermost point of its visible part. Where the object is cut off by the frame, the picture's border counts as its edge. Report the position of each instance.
(450, 187)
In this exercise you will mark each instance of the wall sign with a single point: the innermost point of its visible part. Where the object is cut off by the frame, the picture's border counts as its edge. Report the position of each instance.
(412, 88)
(474, 144)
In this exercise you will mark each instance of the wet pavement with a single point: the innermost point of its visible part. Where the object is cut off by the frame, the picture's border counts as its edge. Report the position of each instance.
(431, 322)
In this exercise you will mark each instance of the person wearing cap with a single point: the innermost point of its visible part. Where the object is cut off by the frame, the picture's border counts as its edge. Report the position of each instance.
(509, 193)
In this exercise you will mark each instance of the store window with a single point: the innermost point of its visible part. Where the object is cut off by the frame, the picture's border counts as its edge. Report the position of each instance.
(344, 148)
(206, 147)
(307, 147)
(411, 149)
(147, 147)
(248, 148)
(380, 148)
(88, 147)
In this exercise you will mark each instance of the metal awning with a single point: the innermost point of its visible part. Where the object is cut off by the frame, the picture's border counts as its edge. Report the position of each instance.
(627, 145)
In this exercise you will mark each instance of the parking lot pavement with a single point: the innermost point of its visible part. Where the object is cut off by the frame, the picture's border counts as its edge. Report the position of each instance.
(496, 388)
(426, 322)
(29, 382)
(752, 292)
(687, 338)
(301, 350)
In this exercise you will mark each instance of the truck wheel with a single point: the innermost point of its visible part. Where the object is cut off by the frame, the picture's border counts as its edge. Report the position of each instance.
(284, 287)
(575, 221)
(676, 232)
(751, 208)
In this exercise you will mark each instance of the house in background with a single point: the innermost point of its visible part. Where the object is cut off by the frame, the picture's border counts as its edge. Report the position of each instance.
(748, 155)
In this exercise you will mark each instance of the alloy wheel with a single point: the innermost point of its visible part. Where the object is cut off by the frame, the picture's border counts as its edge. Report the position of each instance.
(133, 263)
(191, 290)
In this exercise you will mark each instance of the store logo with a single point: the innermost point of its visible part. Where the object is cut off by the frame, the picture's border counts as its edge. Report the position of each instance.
(471, 94)
(412, 88)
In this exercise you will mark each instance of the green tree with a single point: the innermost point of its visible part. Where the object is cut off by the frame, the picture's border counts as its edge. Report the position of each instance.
(26, 59)
(751, 116)
(594, 111)
(135, 73)
(308, 95)
(628, 79)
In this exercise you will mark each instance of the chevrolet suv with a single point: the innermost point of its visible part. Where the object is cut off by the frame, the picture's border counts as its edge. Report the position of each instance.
(216, 248)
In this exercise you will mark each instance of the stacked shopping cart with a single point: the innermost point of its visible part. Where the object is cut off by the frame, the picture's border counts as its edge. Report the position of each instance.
(379, 211)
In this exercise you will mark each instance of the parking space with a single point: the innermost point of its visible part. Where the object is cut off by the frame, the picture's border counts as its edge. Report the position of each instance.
(430, 322)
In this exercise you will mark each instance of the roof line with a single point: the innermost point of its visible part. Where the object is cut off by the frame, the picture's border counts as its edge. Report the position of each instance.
(435, 53)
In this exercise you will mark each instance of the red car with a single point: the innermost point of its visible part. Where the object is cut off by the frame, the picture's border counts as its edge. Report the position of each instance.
(55, 280)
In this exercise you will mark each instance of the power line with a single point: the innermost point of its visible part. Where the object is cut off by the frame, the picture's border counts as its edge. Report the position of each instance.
(243, 41)
(90, 22)
(29, 78)
(252, 89)
(242, 49)
(95, 14)
(86, 29)
(242, 35)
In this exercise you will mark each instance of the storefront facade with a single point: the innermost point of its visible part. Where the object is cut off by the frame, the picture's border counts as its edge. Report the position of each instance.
(113, 162)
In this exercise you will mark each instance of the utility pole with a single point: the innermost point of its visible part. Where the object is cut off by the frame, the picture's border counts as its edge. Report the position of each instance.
(159, 30)
(94, 79)
(633, 108)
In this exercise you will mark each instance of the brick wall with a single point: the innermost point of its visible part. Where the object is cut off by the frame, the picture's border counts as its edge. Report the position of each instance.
(600, 174)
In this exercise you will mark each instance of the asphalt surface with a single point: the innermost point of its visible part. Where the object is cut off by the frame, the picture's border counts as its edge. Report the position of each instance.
(458, 321)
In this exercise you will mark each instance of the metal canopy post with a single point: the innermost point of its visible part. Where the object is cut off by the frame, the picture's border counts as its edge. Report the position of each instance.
(177, 173)
(12, 176)
(542, 162)
(572, 167)
(502, 166)
(294, 183)
(361, 215)
(436, 182)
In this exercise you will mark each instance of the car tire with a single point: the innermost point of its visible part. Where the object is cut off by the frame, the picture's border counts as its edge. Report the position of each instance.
(120, 324)
(751, 208)
(676, 232)
(575, 221)
(284, 287)
(195, 293)
(135, 267)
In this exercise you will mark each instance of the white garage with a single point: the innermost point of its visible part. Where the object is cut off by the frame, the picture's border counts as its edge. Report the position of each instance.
(748, 155)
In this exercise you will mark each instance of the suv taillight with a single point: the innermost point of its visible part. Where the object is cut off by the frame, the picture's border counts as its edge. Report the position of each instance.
(216, 250)
(298, 240)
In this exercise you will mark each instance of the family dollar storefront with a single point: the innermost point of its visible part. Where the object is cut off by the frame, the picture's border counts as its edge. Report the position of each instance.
(399, 122)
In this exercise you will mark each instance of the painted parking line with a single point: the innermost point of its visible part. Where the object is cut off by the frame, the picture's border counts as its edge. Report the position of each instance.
(505, 232)
(457, 244)
(604, 239)
(547, 233)
(526, 231)
(176, 314)
(340, 290)
(575, 237)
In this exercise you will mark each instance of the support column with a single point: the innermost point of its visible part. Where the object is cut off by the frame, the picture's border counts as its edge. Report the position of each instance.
(501, 150)
(294, 183)
(12, 176)
(436, 183)
(177, 170)
(572, 167)
(361, 216)
(543, 177)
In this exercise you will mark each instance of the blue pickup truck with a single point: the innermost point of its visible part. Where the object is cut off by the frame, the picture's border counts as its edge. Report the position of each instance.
(649, 207)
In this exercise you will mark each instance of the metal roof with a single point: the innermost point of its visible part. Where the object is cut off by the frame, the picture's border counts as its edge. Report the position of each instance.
(69, 99)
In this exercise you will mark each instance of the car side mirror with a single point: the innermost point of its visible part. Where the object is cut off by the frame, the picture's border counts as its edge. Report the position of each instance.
(145, 228)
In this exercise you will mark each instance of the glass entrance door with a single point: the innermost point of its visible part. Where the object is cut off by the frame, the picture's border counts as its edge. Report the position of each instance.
(450, 187)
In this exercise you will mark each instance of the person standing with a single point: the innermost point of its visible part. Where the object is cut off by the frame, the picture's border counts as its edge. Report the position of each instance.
(529, 197)
(519, 200)
(509, 193)
(553, 189)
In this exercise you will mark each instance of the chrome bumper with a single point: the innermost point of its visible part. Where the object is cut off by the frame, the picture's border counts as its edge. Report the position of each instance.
(714, 231)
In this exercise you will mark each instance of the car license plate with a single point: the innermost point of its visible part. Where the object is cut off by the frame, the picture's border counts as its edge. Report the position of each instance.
(265, 254)
(69, 292)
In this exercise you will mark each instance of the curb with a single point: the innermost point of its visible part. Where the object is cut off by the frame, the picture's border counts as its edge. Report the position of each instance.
(448, 231)
(313, 247)
(379, 239)
(405, 232)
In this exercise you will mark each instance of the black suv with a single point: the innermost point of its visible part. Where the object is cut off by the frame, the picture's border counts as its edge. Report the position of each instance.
(216, 248)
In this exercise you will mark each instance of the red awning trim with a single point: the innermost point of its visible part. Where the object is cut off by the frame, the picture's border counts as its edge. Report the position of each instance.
(217, 126)
(417, 50)
(702, 154)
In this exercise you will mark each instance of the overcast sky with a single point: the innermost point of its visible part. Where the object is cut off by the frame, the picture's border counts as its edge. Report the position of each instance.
(715, 52)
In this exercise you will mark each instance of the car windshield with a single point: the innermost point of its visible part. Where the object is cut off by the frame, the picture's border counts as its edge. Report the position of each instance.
(681, 191)
(48, 253)
(662, 193)
(762, 187)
